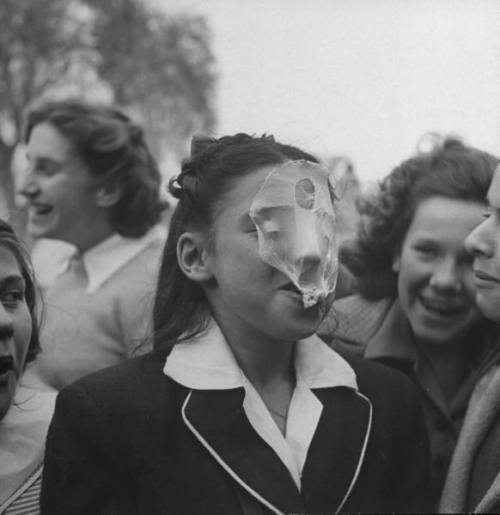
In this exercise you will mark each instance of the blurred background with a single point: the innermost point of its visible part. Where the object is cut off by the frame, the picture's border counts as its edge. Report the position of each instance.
(358, 82)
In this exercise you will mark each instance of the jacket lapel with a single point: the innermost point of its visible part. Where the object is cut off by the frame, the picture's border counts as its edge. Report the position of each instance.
(217, 419)
(337, 449)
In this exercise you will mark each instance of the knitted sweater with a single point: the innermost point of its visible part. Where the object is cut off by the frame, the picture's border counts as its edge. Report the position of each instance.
(478, 444)
(85, 331)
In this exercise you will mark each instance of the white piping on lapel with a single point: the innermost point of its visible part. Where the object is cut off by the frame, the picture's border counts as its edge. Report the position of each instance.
(223, 464)
(361, 456)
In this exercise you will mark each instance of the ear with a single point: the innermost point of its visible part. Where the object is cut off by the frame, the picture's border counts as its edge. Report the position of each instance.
(108, 195)
(192, 256)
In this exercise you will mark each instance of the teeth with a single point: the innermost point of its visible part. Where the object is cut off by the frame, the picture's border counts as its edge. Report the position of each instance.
(439, 306)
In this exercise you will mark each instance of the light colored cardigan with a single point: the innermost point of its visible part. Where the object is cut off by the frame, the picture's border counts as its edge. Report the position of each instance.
(483, 412)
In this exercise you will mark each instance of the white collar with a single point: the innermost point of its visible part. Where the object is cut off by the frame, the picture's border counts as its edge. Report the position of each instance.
(206, 362)
(105, 259)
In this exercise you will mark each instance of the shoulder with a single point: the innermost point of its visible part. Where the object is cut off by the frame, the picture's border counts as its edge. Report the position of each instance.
(135, 281)
(147, 259)
(354, 320)
(384, 386)
(135, 386)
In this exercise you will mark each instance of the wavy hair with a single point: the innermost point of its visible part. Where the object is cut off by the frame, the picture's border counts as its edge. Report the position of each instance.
(450, 169)
(113, 148)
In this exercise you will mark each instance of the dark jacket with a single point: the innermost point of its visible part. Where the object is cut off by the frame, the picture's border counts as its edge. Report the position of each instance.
(129, 440)
(379, 330)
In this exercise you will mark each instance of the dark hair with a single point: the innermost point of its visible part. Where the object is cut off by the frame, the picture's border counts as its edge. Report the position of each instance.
(113, 148)
(451, 169)
(9, 240)
(180, 309)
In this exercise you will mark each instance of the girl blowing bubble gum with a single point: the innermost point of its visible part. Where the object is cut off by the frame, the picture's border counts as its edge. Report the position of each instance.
(240, 408)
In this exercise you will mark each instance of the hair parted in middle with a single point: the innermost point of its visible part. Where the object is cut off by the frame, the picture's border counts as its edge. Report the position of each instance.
(451, 169)
(181, 310)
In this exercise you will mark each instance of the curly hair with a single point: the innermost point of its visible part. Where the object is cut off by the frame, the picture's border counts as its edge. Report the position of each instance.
(180, 309)
(451, 169)
(113, 148)
(10, 241)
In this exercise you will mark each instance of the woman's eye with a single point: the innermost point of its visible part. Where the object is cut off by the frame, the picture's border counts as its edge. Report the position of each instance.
(12, 298)
(46, 168)
(426, 252)
(273, 235)
(486, 213)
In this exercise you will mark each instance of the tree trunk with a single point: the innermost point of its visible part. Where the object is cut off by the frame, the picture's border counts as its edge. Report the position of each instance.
(15, 215)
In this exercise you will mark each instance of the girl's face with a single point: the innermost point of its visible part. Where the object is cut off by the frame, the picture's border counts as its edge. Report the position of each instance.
(435, 277)
(484, 244)
(15, 327)
(246, 292)
(61, 191)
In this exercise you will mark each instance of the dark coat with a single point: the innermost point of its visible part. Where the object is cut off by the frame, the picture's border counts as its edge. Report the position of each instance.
(129, 439)
(379, 330)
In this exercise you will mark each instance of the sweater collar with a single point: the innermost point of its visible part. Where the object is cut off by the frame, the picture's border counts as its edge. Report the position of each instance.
(393, 338)
(103, 260)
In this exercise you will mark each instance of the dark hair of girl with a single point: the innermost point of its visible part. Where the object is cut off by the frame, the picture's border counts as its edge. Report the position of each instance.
(451, 169)
(9, 240)
(181, 310)
(113, 148)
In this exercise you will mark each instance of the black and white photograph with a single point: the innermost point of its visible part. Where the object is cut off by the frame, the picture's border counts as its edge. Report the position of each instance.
(249, 257)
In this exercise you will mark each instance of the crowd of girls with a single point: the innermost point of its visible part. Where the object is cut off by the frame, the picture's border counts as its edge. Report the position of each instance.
(233, 404)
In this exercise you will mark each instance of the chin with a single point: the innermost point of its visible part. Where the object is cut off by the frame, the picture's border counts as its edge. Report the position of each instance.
(437, 339)
(300, 331)
(490, 308)
(38, 232)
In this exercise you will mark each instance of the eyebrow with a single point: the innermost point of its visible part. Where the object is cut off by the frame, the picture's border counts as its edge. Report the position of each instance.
(12, 280)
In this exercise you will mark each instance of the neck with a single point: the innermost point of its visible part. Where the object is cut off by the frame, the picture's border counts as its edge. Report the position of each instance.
(99, 233)
(449, 363)
(265, 361)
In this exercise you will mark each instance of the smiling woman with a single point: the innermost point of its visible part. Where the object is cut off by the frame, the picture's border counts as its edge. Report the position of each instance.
(24, 413)
(416, 308)
(473, 481)
(94, 184)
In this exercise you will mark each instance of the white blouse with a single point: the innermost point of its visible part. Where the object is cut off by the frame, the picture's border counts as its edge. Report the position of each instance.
(206, 362)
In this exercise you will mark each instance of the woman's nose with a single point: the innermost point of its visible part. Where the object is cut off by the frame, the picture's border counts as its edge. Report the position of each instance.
(479, 241)
(30, 187)
(447, 276)
(6, 325)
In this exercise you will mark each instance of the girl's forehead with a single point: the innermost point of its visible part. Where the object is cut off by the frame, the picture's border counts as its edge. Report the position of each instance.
(243, 190)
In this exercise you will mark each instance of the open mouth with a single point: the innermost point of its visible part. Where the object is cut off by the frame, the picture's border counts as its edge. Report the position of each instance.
(41, 209)
(6, 365)
(441, 308)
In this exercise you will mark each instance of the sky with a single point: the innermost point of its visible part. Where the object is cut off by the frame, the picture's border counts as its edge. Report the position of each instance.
(363, 78)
